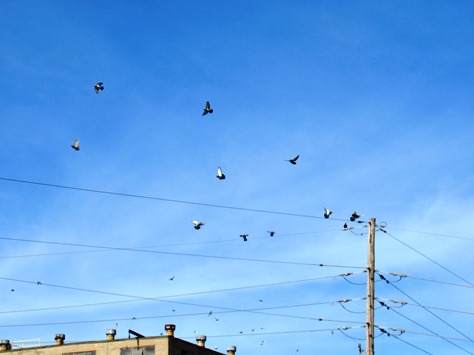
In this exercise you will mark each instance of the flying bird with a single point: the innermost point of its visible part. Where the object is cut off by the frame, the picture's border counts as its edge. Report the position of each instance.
(220, 174)
(207, 109)
(272, 233)
(198, 225)
(171, 278)
(75, 145)
(244, 236)
(354, 216)
(293, 161)
(99, 86)
(327, 212)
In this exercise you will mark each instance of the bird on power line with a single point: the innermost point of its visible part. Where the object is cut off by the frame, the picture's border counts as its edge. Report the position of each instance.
(345, 227)
(220, 174)
(272, 233)
(197, 224)
(75, 145)
(354, 216)
(244, 236)
(99, 86)
(207, 109)
(293, 161)
(327, 212)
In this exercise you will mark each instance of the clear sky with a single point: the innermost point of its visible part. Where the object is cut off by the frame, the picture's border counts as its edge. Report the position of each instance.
(375, 97)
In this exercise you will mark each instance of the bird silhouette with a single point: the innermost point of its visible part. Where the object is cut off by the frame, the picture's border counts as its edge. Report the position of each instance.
(99, 86)
(198, 225)
(354, 216)
(75, 145)
(244, 236)
(272, 233)
(171, 278)
(345, 227)
(220, 174)
(327, 212)
(293, 161)
(207, 109)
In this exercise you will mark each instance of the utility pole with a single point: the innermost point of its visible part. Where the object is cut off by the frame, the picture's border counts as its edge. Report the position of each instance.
(369, 337)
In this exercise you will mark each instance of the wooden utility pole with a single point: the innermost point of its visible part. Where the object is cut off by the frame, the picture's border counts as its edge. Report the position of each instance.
(369, 337)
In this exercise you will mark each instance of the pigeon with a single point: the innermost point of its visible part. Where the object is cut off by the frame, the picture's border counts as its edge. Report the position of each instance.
(293, 161)
(244, 236)
(198, 225)
(75, 145)
(207, 109)
(220, 174)
(354, 216)
(345, 227)
(327, 212)
(98, 86)
(272, 233)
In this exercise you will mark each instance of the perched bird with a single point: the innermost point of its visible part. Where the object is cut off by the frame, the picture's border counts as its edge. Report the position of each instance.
(220, 174)
(293, 161)
(198, 225)
(244, 236)
(99, 86)
(345, 227)
(272, 233)
(207, 109)
(354, 216)
(327, 212)
(38, 283)
(75, 145)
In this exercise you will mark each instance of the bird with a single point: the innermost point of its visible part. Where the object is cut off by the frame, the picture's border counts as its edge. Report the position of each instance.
(345, 227)
(171, 278)
(207, 109)
(220, 174)
(210, 312)
(99, 86)
(327, 212)
(38, 283)
(272, 233)
(75, 145)
(354, 216)
(293, 161)
(244, 236)
(198, 225)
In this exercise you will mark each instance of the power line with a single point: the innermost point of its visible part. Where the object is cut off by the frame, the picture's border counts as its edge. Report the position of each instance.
(430, 259)
(432, 233)
(157, 298)
(401, 276)
(121, 194)
(180, 254)
(426, 309)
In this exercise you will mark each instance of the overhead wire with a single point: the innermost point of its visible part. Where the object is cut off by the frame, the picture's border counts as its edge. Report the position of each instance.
(426, 309)
(180, 254)
(428, 258)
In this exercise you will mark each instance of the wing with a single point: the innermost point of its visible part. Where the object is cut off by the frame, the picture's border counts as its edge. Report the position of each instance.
(208, 105)
(295, 158)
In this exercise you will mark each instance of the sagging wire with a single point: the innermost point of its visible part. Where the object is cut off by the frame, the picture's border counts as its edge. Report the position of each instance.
(345, 275)
(342, 330)
(341, 302)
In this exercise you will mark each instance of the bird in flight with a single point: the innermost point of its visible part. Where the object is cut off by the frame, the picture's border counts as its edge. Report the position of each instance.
(171, 278)
(207, 109)
(327, 212)
(75, 145)
(272, 233)
(197, 224)
(354, 216)
(244, 236)
(220, 174)
(293, 161)
(99, 86)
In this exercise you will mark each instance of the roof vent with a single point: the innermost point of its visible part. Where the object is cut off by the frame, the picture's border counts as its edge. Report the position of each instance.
(201, 340)
(110, 334)
(59, 339)
(170, 328)
(5, 345)
(231, 350)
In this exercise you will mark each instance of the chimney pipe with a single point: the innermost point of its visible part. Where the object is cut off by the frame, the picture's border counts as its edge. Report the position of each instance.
(170, 328)
(5, 345)
(110, 334)
(59, 339)
(201, 340)
(231, 350)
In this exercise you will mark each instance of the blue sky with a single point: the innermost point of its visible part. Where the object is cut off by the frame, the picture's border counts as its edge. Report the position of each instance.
(375, 97)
